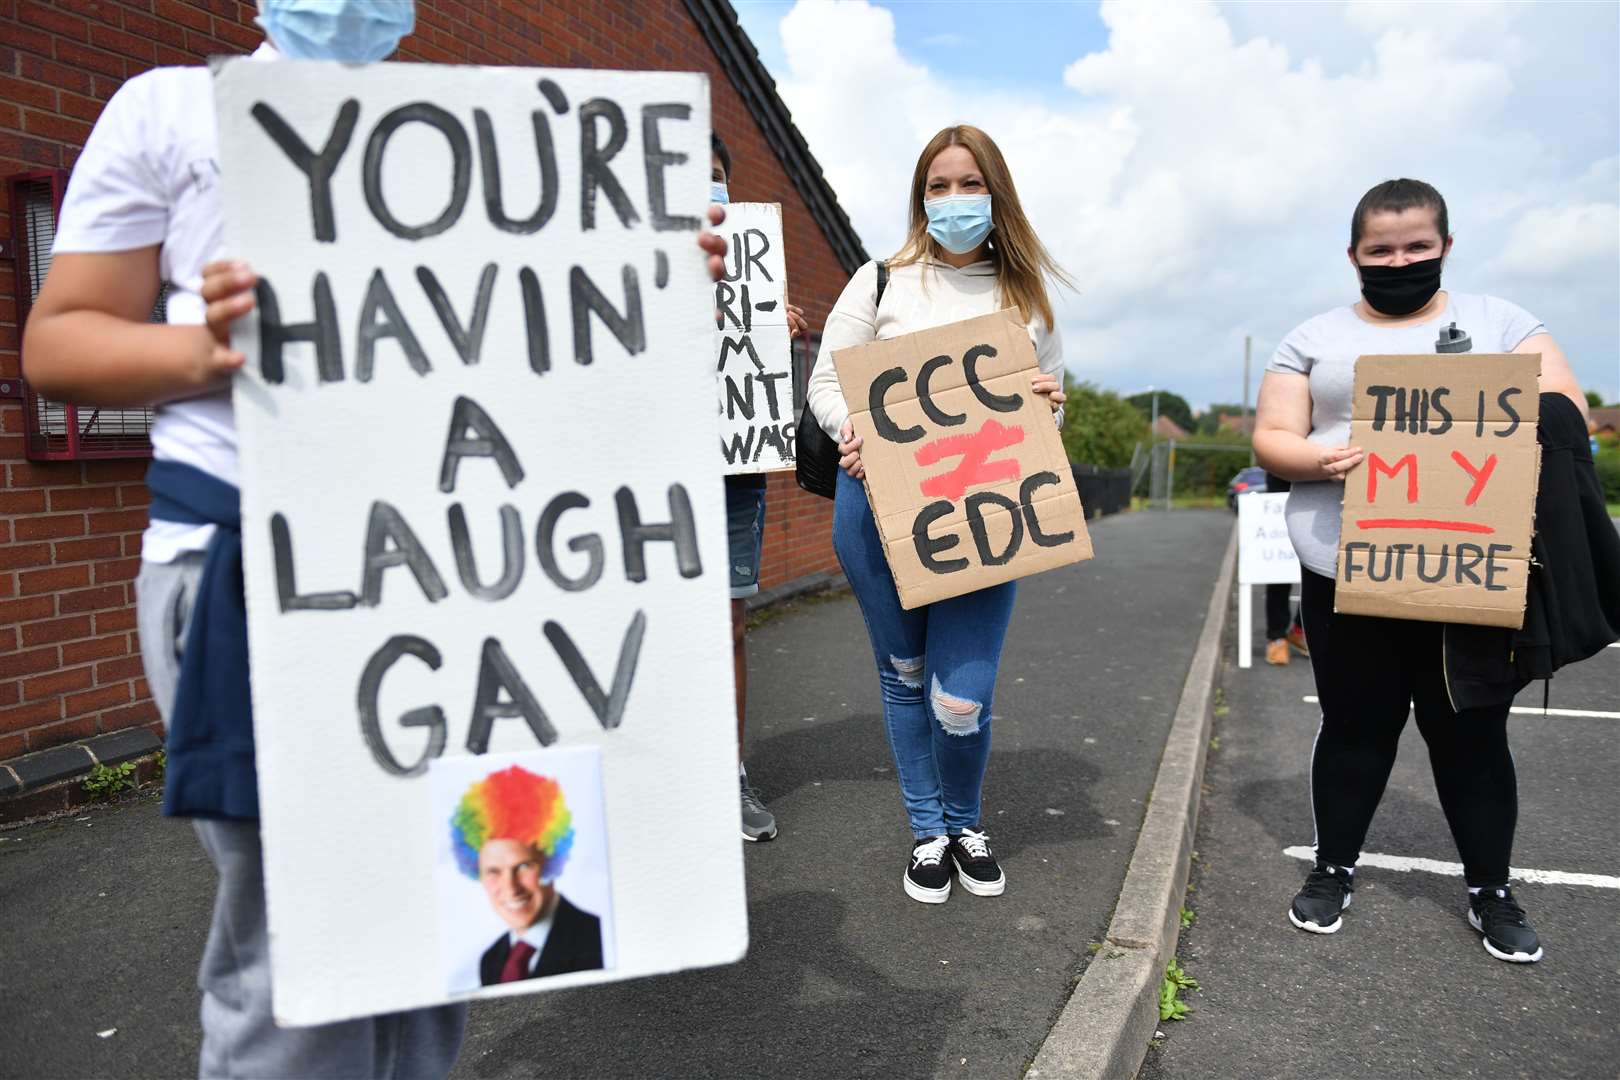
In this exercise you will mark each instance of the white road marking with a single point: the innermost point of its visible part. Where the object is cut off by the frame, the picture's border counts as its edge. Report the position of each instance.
(1523, 710)
(1435, 866)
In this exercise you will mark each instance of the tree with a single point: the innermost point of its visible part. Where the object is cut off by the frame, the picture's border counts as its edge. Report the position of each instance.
(1172, 405)
(1209, 421)
(1099, 428)
(1594, 399)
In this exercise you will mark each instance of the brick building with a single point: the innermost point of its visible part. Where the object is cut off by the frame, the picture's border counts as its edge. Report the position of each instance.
(72, 504)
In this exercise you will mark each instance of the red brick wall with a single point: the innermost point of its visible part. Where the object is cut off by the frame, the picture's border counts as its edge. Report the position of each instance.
(70, 531)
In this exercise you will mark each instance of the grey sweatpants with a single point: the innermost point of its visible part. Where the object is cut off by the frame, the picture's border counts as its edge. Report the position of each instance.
(240, 1037)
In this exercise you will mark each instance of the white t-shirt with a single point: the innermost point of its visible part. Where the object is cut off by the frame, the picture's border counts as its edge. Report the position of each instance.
(1325, 349)
(917, 297)
(149, 174)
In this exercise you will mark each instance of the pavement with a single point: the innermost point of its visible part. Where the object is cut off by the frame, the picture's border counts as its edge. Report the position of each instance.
(1404, 989)
(105, 911)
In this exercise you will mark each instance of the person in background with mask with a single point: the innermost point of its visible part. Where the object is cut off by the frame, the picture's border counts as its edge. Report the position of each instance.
(142, 208)
(1399, 238)
(745, 537)
(969, 251)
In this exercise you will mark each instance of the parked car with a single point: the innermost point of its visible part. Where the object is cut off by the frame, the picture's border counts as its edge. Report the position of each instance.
(1252, 478)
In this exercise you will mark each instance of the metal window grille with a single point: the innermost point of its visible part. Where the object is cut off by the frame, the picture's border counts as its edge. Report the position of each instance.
(56, 431)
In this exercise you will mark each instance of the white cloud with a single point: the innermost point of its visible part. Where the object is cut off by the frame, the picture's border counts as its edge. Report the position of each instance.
(1562, 241)
(1197, 179)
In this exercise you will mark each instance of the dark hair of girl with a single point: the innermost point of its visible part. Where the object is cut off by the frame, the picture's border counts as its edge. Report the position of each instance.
(721, 152)
(1394, 196)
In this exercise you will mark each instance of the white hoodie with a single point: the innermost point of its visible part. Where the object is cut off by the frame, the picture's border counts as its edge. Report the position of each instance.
(918, 296)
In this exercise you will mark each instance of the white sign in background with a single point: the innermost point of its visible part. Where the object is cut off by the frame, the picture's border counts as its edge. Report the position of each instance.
(1265, 553)
(1265, 557)
(489, 494)
(752, 345)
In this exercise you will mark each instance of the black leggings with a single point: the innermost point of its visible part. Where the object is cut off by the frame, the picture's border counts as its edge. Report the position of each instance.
(1369, 673)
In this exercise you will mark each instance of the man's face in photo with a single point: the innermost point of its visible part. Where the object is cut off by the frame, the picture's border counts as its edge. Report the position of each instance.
(510, 872)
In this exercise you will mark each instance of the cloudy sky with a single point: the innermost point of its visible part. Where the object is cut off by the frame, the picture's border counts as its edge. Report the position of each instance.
(1194, 164)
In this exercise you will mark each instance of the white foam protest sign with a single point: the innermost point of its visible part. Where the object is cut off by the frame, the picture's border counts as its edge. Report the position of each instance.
(753, 347)
(1265, 557)
(483, 530)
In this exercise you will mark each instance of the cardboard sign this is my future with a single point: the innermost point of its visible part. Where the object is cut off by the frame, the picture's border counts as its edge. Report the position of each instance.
(1437, 519)
(965, 471)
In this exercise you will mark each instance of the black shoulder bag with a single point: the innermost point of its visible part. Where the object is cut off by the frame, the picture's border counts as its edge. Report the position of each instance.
(816, 458)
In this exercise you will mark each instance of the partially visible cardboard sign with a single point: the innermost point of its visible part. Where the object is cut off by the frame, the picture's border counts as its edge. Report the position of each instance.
(965, 471)
(1265, 553)
(753, 349)
(1437, 519)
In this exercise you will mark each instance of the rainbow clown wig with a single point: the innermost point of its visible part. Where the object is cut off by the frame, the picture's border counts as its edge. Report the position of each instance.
(513, 804)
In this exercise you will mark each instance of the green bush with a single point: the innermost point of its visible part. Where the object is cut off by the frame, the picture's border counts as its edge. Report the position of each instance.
(1608, 470)
(1099, 428)
(1206, 472)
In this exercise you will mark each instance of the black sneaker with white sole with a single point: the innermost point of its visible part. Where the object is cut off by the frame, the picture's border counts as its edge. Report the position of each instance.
(1325, 894)
(928, 878)
(1504, 931)
(976, 867)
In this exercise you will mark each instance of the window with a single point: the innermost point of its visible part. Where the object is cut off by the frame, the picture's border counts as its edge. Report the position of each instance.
(54, 431)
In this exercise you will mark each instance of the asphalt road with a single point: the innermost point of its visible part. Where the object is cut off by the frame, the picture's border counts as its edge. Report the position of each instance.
(1404, 989)
(846, 977)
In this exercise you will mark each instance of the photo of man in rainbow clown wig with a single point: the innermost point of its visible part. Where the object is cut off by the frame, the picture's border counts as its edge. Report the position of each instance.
(512, 832)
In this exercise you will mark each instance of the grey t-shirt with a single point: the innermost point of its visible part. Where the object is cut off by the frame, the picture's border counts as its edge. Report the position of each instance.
(1325, 349)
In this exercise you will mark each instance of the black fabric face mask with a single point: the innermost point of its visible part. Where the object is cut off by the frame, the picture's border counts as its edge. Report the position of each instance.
(1400, 290)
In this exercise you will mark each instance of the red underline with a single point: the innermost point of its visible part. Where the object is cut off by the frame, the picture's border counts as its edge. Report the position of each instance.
(1423, 523)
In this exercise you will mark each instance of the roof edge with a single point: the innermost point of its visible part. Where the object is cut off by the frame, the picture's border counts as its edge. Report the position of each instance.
(717, 21)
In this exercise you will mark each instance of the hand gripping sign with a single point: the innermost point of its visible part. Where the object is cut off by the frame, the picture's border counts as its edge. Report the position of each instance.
(1437, 519)
(965, 471)
(753, 349)
(482, 616)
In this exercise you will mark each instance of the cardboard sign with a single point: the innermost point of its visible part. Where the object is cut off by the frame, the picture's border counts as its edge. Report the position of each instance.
(1265, 553)
(485, 543)
(1437, 518)
(965, 470)
(753, 350)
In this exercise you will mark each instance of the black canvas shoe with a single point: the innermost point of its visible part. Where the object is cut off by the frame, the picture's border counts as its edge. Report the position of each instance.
(928, 878)
(1505, 932)
(976, 867)
(1326, 892)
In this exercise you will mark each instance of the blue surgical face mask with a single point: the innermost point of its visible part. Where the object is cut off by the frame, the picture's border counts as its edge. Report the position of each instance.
(356, 31)
(718, 193)
(959, 222)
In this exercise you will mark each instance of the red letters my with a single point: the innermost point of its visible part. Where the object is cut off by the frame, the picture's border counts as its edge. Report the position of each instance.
(1376, 465)
(973, 469)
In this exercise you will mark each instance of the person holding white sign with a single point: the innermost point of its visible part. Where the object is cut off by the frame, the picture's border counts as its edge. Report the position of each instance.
(745, 535)
(1371, 671)
(969, 251)
(143, 208)
(1282, 631)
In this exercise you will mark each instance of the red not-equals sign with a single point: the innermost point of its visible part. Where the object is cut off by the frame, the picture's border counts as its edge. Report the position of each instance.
(974, 449)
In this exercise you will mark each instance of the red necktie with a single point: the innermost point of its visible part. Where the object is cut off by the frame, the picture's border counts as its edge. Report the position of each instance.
(517, 962)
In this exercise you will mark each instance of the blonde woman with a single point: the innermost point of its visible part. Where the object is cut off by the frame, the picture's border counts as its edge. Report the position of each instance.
(969, 251)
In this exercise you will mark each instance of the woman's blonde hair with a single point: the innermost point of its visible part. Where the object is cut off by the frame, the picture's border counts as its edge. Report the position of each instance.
(1022, 261)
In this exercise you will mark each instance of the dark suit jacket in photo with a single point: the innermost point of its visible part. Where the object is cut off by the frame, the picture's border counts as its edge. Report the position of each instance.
(574, 944)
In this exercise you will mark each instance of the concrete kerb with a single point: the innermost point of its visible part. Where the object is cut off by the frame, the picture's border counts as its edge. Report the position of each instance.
(1103, 1031)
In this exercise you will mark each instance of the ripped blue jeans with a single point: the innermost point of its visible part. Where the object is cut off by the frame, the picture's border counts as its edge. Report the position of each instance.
(936, 668)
